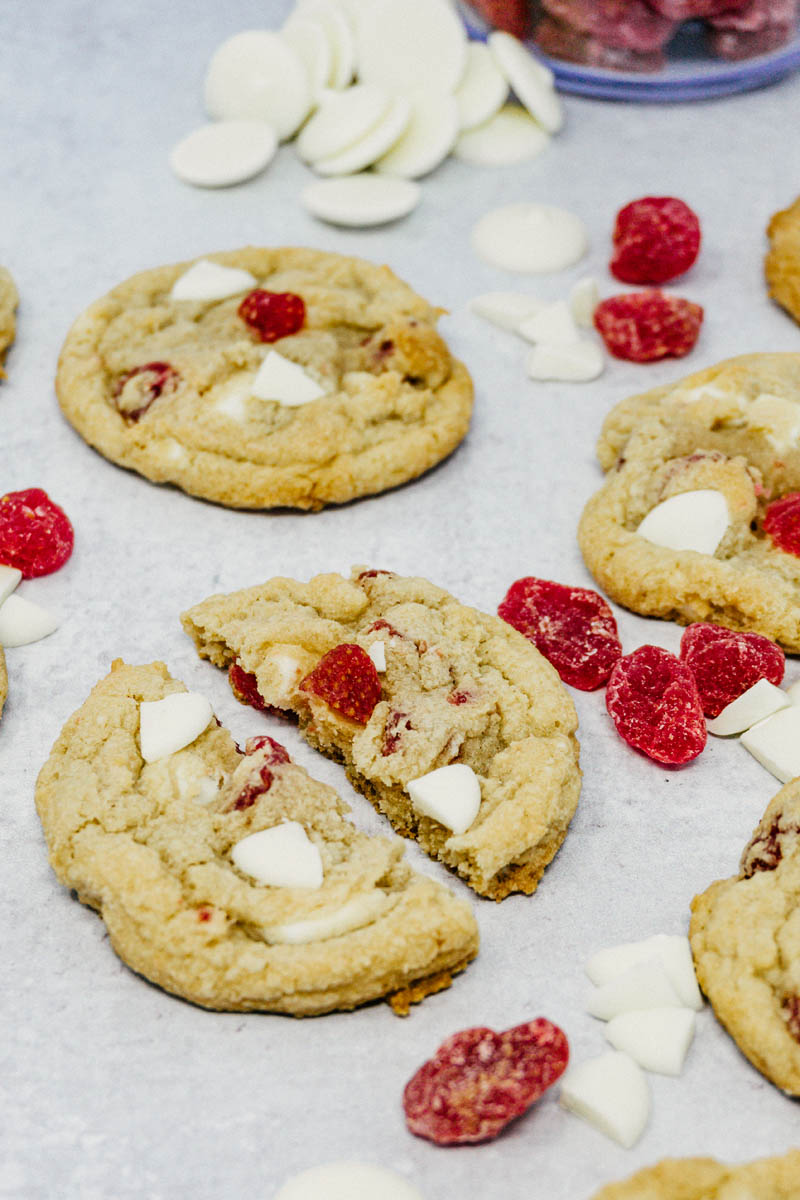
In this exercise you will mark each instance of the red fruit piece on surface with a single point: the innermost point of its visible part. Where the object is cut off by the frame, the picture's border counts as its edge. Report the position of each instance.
(572, 627)
(273, 315)
(653, 700)
(726, 663)
(136, 390)
(782, 523)
(261, 782)
(655, 239)
(36, 536)
(479, 1080)
(645, 326)
(346, 679)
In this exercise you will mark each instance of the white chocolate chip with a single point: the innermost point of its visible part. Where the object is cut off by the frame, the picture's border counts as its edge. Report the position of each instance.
(483, 88)
(532, 81)
(282, 856)
(756, 704)
(583, 300)
(611, 1093)
(450, 795)
(428, 138)
(506, 309)
(211, 281)
(347, 1181)
(342, 119)
(645, 985)
(353, 914)
(529, 237)
(577, 362)
(9, 579)
(256, 76)
(554, 325)
(775, 742)
(417, 42)
(23, 622)
(658, 1039)
(377, 652)
(510, 136)
(694, 520)
(224, 153)
(166, 726)
(284, 381)
(360, 201)
(672, 951)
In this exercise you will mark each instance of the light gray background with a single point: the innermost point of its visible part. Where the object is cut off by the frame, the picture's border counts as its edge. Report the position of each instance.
(111, 1088)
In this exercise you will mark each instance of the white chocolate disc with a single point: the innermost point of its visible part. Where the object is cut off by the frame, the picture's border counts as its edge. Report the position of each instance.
(338, 29)
(531, 80)
(406, 44)
(361, 200)
(529, 237)
(450, 795)
(166, 726)
(282, 856)
(372, 146)
(284, 381)
(224, 153)
(347, 1181)
(694, 520)
(658, 1039)
(775, 742)
(510, 136)
(573, 362)
(342, 119)
(23, 622)
(257, 76)
(309, 40)
(756, 704)
(611, 1093)
(427, 139)
(211, 281)
(483, 89)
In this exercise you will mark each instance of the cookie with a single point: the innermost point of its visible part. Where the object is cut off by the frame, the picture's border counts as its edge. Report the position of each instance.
(151, 847)
(732, 430)
(782, 263)
(459, 687)
(9, 299)
(705, 1179)
(165, 386)
(745, 937)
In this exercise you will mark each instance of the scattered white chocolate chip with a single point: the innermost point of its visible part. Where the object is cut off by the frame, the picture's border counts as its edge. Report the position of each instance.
(353, 914)
(222, 154)
(450, 795)
(694, 520)
(284, 381)
(554, 325)
(372, 146)
(23, 622)
(282, 856)
(342, 119)
(361, 200)
(775, 742)
(672, 951)
(532, 81)
(510, 136)
(611, 1093)
(506, 309)
(658, 1039)
(758, 702)
(347, 1181)
(584, 298)
(483, 88)
(528, 237)
(427, 139)
(211, 281)
(377, 652)
(576, 362)
(257, 76)
(645, 985)
(168, 725)
(421, 42)
(9, 580)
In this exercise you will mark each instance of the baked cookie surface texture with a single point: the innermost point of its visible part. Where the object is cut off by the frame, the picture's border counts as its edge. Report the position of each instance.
(459, 687)
(8, 307)
(782, 264)
(732, 432)
(168, 386)
(705, 1179)
(151, 847)
(745, 936)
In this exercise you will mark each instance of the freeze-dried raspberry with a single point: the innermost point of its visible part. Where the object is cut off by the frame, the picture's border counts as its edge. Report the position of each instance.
(652, 698)
(245, 688)
(346, 679)
(396, 724)
(644, 326)
(573, 628)
(512, 16)
(273, 315)
(136, 390)
(791, 1007)
(262, 779)
(726, 663)
(36, 536)
(479, 1080)
(782, 523)
(688, 10)
(655, 239)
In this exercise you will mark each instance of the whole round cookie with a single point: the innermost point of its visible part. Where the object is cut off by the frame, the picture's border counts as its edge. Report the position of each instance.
(158, 848)
(9, 299)
(454, 688)
(705, 1179)
(266, 377)
(728, 437)
(745, 936)
(782, 263)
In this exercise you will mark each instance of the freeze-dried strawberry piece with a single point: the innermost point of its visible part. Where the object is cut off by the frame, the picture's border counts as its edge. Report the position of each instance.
(653, 701)
(645, 326)
(782, 523)
(726, 663)
(512, 16)
(572, 627)
(273, 315)
(346, 679)
(396, 724)
(479, 1080)
(263, 776)
(688, 10)
(36, 536)
(655, 239)
(245, 688)
(136, 390)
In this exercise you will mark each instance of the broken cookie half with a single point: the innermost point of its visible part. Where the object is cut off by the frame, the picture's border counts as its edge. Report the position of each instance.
(448, 720)
(231, 878)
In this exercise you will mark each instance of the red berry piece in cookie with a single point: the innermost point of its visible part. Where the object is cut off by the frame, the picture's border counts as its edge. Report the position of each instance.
(726, 663)
(346, 679)
(573, 628)
(645, 326)
(479, 1080)
(245, 688)
(273, 315)
(656, 239)
(36, 536)
(136, 390)
(271, 754)
(782, 523)
(653, 701)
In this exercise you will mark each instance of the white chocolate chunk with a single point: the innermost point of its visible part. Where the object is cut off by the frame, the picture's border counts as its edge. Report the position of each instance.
(576, 362)
(532, 81)
(645, 985)
(427, 139)
(584, 298)
(353, 914)
(510, 136)
(756, 704)
(166, 726)
(528, 237)
(284, 381)
(282, 856)
(554, 324)
(372, 146)
(417, 43)
(9, 580)
(210, 281)
(347, 1181)
(224, 153)
(23, 622)
(483, 88)
(257, 76)
(672, 951)
(450, 795)
(361, 200)
(793, 692)
(775, 742)
(506, 309)
(657, 1039)
(778, 419)
(694, 520)
(342, 119)
(611, 1093)
(377, 653)
(194, 784)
